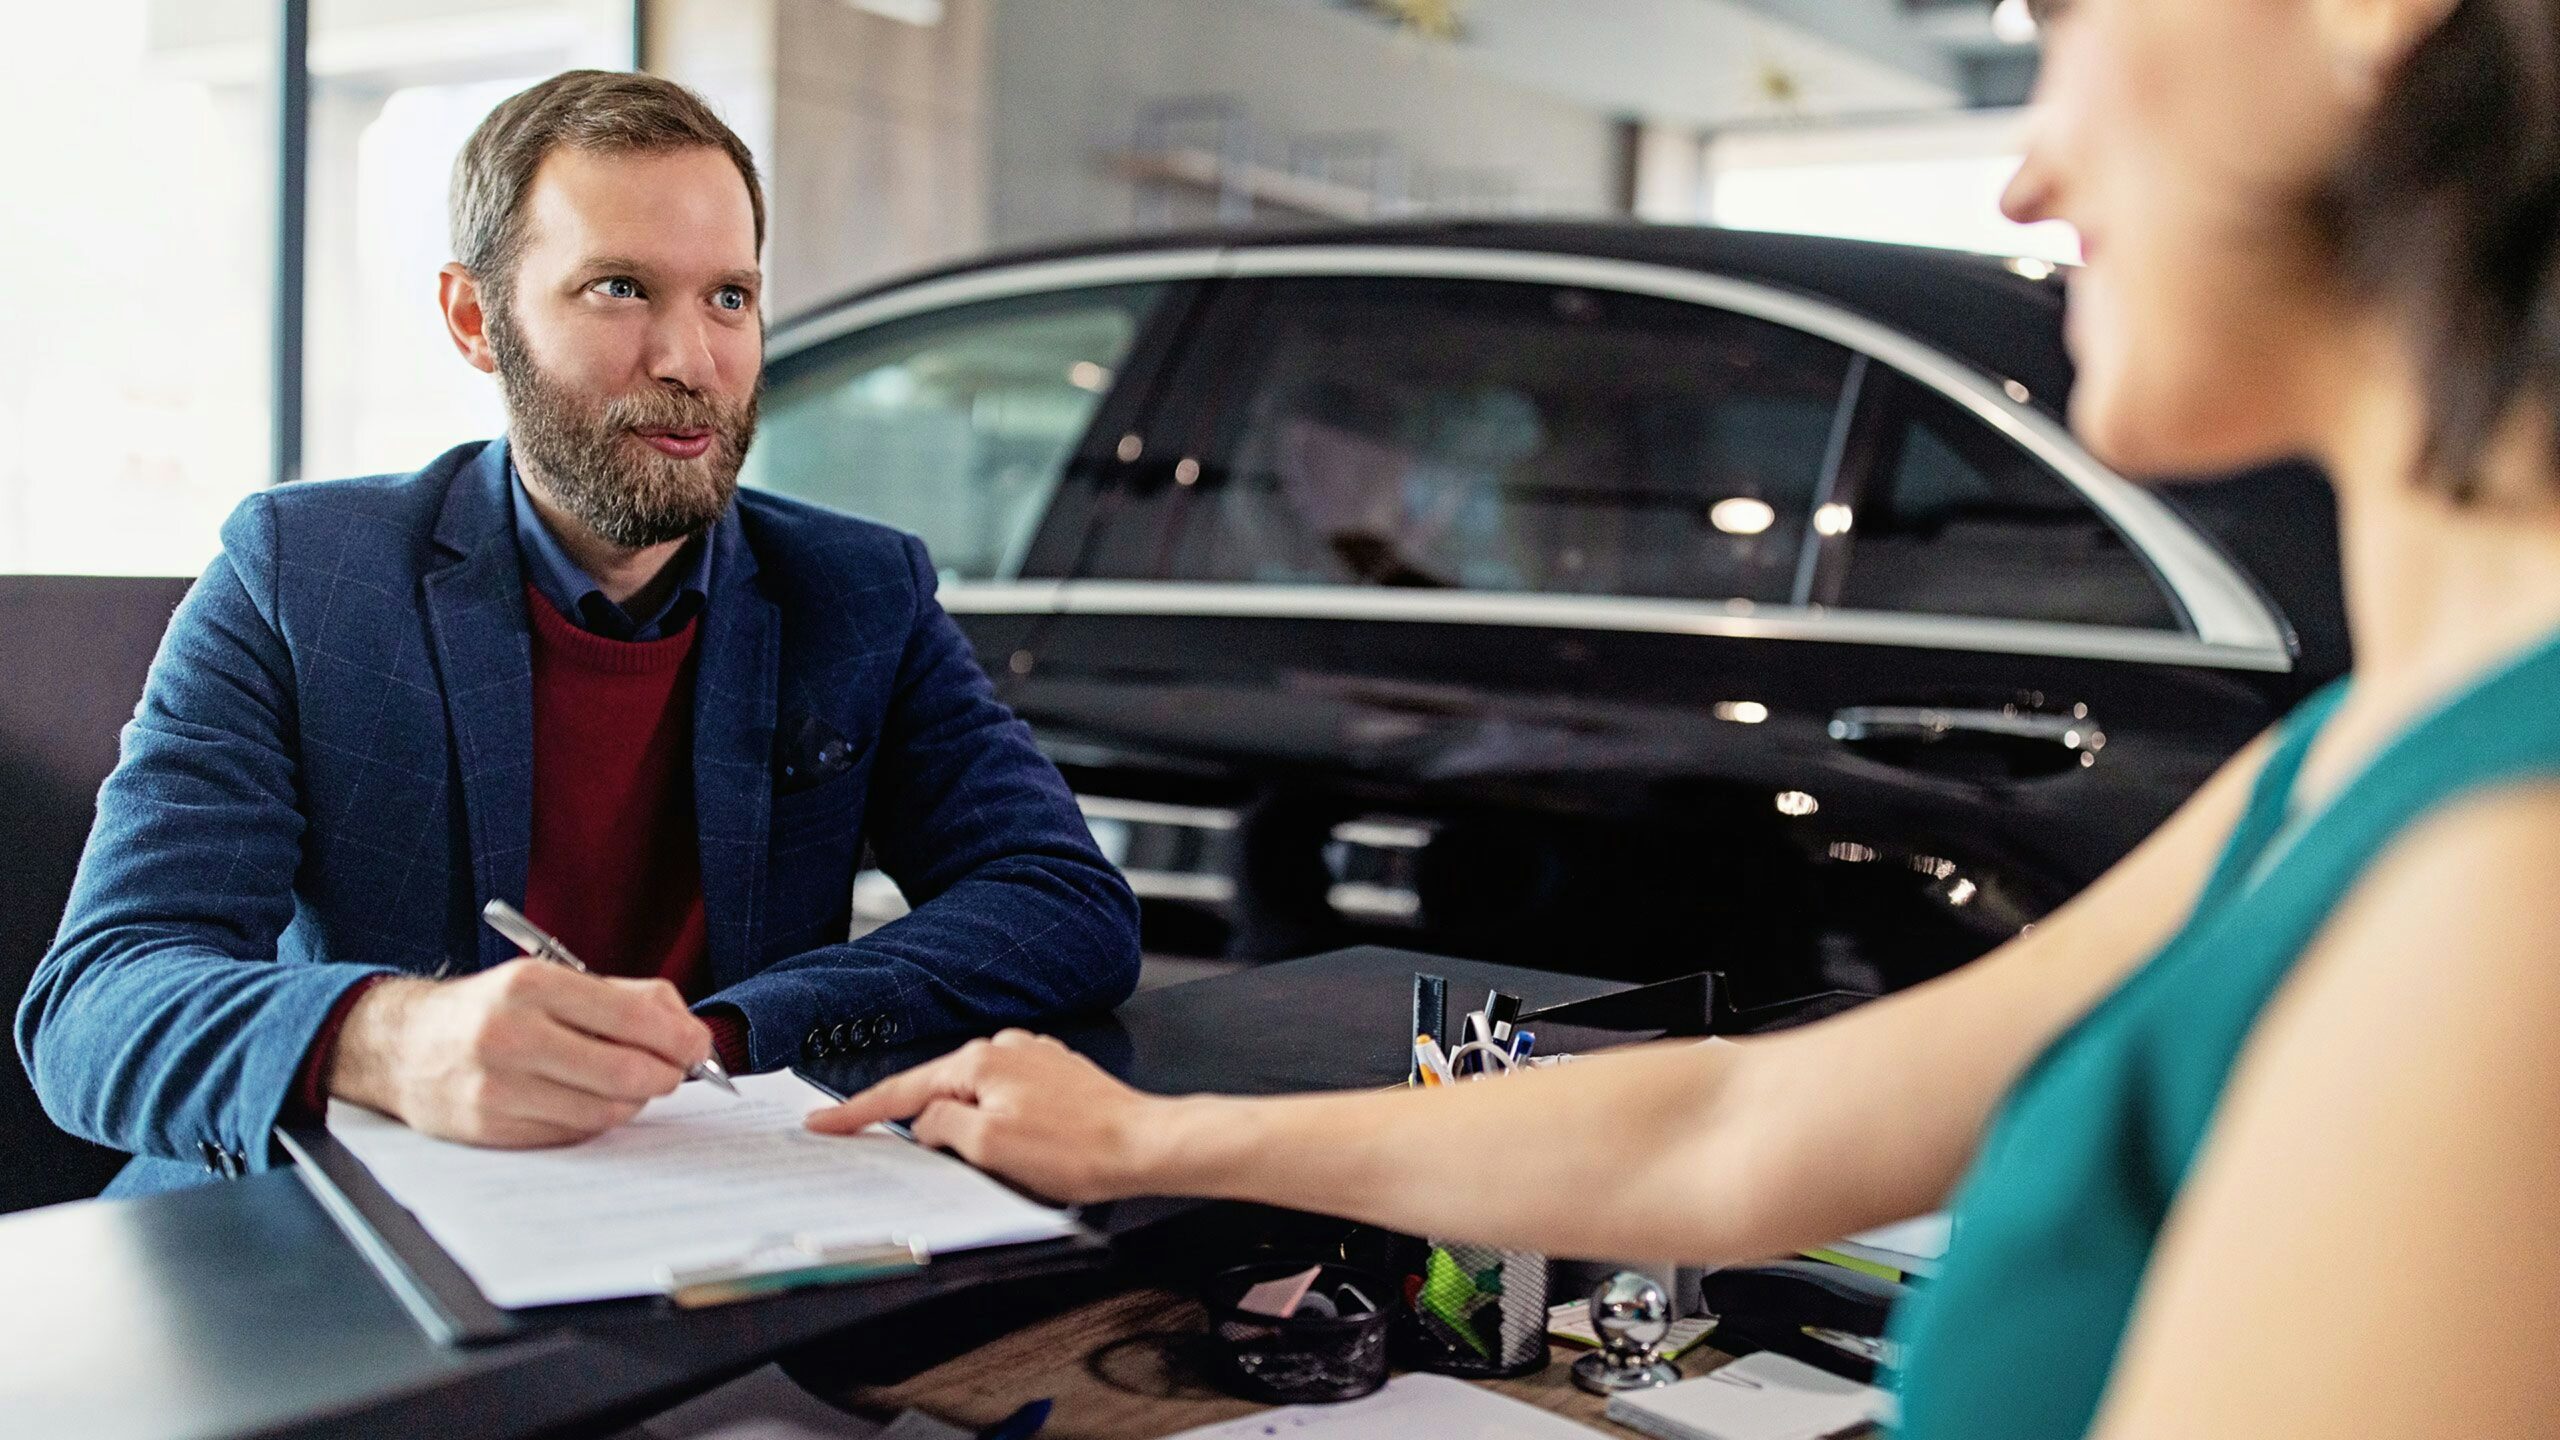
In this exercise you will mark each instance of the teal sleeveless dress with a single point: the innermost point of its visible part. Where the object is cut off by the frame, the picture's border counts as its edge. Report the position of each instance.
(2056, 1221)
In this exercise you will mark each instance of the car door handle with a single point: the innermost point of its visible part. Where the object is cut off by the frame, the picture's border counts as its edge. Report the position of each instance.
(1927, 723)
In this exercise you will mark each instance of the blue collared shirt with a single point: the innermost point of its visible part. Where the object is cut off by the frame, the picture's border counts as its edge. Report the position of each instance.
(575, 593)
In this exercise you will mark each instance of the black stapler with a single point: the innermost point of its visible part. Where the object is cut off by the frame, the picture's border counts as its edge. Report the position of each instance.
(1778, 1306)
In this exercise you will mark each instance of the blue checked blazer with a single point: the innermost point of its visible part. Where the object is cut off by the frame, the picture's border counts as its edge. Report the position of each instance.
(331, 770)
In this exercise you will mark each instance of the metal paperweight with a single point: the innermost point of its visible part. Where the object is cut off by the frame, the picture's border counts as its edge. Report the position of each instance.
(1631, 1315)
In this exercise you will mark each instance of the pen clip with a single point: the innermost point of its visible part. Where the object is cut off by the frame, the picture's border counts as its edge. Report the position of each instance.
(507, 920)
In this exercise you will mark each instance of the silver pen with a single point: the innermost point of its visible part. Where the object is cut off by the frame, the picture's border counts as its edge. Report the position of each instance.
(539, 943)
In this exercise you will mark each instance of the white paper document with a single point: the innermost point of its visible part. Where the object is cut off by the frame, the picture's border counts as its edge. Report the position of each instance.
(699, 1179)
(1762, 1396)
(1914, 1246)
(1432, 1406)
(1925, 1237)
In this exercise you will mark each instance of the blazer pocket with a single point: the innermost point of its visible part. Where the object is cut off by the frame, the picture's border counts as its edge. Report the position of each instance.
(808, 754)
(830, 809)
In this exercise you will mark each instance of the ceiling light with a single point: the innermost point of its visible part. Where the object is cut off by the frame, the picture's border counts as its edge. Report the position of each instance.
(2013, 23)
(1742, 515)
(914, 12)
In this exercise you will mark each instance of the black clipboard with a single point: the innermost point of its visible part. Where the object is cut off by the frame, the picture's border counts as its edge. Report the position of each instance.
(441, 1297)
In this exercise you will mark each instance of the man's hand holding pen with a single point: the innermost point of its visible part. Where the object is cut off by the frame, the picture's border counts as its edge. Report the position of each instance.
(525, 1054)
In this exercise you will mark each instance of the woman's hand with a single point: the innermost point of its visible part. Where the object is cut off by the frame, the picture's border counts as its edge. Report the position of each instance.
(1024, 1107)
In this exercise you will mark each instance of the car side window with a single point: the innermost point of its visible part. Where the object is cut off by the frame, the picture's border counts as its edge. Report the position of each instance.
(1957, 519)
(957, 425)
(1492, 436)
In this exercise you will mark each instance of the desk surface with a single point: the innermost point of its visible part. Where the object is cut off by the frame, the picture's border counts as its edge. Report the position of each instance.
(1122, 1368)
(238, 1309)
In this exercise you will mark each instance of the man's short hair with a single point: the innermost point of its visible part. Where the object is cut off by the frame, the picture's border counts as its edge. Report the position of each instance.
(600, 111)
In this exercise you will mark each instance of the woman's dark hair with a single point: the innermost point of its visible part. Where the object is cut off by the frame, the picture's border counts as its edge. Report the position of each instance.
(2450, 209)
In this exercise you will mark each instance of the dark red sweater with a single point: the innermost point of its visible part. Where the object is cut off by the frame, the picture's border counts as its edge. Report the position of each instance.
(615, 872)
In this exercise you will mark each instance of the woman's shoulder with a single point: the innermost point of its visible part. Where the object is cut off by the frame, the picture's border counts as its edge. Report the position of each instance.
(2461, 878)
(2390, 1113)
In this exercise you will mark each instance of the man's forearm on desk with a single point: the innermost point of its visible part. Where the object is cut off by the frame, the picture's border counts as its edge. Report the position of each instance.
(966, 962)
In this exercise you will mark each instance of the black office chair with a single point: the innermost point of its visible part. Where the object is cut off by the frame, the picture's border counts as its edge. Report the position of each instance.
(74, 650)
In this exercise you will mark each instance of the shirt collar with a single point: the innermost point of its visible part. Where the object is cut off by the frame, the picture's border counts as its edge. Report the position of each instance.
(577, 596)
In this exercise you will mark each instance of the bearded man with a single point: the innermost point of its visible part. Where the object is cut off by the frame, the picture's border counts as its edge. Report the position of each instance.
(576, 670)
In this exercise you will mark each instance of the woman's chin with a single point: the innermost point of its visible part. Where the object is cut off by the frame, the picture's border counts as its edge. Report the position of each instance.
(2168, 438)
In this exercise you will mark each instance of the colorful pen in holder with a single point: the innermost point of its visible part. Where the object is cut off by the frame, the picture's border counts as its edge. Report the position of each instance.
(1476, 1311)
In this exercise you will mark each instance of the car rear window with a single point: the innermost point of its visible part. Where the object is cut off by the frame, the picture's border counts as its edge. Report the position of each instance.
(1492, 436)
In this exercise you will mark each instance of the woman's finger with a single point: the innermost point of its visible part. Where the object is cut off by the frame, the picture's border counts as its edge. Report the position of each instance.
(954, 1076)
(955, 1126)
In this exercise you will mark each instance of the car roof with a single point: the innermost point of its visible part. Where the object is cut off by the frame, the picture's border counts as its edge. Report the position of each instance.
(1985, 310)
(1979, 308)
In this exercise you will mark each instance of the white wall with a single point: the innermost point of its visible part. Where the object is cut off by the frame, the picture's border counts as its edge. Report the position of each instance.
(880, 146)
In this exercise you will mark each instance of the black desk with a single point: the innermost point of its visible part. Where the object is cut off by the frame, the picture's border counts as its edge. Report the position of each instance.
(240, 1310)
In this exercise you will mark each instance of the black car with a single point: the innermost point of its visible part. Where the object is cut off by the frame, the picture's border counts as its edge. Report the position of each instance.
(1624, 599)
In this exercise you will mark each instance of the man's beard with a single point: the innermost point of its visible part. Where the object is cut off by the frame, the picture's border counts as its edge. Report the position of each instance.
(594, 466)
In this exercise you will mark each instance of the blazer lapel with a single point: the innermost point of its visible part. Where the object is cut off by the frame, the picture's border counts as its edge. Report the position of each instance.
(475, 610)
(736, 679)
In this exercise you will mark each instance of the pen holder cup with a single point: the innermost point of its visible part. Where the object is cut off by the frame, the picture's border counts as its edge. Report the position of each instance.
(1476, 1312)
(1334, 1348)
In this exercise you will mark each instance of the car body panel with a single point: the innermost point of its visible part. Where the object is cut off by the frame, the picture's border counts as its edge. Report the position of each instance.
(1817, 793)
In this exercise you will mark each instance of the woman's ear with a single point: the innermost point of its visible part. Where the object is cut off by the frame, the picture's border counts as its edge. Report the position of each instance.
(2368, 40)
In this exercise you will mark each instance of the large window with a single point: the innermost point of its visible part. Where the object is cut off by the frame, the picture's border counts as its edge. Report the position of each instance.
(1959, 521)
(136, 264)
(138, 256)
(396, 87)
(957, 425)
(1489, 435)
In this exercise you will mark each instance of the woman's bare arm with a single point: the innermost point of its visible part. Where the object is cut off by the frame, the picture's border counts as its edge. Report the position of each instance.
(2369, 1243)
(1708, 1152)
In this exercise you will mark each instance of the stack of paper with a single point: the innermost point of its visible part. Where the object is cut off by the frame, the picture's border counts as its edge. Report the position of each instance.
(1893, 1252)
(1433, 1406)
(699, 1179)
(1765, 1396)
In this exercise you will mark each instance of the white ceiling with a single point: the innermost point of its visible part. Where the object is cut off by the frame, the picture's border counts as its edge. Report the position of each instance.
(1703, 62)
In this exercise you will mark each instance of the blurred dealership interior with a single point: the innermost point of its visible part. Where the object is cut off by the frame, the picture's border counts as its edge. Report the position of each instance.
(210, 356)
(805, 709)
(1374, 443)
